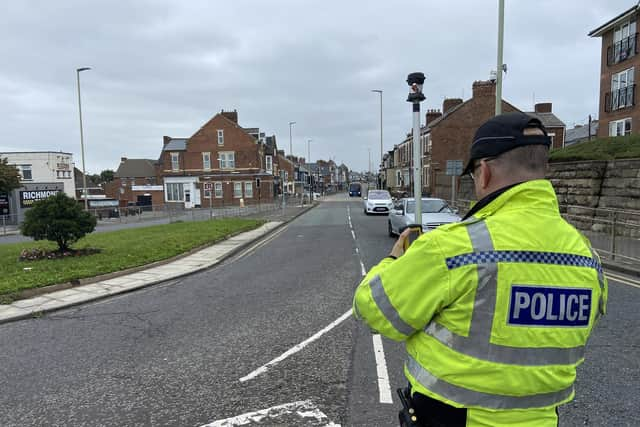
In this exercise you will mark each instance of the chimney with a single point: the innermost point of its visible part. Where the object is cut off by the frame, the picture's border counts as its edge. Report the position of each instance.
(231, 115)
(543, 107)
(484, 89)
(124, 159)
(432, 115)
(449, 103)
(301, 160)
(165, 140)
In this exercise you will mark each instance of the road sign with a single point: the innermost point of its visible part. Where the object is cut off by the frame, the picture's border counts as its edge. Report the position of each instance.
(454, 167)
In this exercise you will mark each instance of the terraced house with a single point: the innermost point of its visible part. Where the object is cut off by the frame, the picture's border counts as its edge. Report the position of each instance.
(220, 164)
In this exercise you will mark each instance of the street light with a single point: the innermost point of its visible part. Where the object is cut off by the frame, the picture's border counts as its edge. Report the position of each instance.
(415, 82)
(381, 149)
(308, 166)
(290, 138)
(500, 65)
(84, 172)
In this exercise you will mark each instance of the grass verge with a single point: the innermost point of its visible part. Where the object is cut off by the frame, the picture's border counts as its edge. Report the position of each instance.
(617, 147)
(121, 249)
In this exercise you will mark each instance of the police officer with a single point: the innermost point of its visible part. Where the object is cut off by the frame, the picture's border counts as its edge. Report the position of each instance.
(495, 310)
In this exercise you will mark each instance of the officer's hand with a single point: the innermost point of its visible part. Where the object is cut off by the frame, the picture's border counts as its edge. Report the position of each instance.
(398, 248)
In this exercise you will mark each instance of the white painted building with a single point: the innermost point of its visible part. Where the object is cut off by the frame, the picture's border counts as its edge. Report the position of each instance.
(44, 167)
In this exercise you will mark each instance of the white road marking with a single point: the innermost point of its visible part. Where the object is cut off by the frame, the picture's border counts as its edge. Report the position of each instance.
(381, 364)
(383, 375)
(302, 408)
(262, 369)
(261, 243)
(624, 280)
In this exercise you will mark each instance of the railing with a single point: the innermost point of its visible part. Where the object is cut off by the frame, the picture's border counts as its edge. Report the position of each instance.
(614, 233)
(622, 50)
(620, 98)
(8, 224)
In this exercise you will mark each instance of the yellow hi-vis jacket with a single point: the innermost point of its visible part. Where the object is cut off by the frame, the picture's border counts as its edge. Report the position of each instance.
(495, 310)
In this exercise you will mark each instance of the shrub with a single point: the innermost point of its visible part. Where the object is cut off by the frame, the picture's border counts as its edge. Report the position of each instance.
(58, 218)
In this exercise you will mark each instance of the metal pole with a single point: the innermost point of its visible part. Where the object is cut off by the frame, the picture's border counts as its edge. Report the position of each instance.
(453, 190)
(500, 62)
(84, 172)
(417, 162)
(381, 147)
(283, 200)
(309, 167)
(291, 138)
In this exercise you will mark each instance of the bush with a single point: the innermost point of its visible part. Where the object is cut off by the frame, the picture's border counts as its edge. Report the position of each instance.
(58, 218)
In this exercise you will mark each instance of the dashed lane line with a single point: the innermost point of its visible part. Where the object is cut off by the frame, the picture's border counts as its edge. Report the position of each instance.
(384, 388)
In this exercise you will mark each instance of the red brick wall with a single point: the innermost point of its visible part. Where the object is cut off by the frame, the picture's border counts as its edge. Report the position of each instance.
(112, 190)
(606, 72)
(452, 137)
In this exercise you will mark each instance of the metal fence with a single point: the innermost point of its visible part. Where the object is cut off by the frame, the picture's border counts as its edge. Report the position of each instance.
(614, 233)
(167, 213)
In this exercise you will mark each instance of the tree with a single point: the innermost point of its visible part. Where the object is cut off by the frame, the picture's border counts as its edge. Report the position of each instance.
(9, 177)
(58, 218)
(107, 175)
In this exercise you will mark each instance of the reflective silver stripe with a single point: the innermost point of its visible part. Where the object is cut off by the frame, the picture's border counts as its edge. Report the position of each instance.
(383, 303)
(502, 354)
(595, 256)
(472, 398)
(478, 343)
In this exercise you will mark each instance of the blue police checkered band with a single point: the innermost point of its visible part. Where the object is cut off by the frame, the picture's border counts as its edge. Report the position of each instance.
(492, 257)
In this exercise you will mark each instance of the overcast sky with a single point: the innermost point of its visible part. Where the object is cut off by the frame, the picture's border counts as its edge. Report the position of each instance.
(166, 67)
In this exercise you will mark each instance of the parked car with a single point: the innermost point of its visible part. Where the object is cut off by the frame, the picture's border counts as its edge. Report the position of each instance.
(435, 212)
(355, 189)
(377, 202)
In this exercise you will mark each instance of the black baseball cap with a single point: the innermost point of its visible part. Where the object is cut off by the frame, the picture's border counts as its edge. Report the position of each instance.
(503, 133)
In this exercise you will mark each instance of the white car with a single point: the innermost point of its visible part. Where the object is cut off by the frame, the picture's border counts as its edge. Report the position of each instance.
(377, 202)
(435, 212)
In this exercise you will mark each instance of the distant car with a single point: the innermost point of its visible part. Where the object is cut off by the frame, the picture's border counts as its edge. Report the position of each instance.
(435, 212)
(377, 202)
(355, 189)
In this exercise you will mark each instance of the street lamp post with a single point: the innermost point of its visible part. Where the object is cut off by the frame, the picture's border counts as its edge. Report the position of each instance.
(500, 65)
(415, 82)
(84, 172)
(290, 138)
(381, 149)
(309, 167)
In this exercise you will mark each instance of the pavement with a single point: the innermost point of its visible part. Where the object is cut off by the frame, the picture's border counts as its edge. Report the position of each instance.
(200, 260)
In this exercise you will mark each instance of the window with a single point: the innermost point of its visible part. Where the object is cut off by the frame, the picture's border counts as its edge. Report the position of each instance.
(175, 192)
(206, 161)
(429, 143)
(220, 136)
(269, 165)
(25, 172)
(552, 135)
(620, 127)
(237, 190)
(218, 189)
(622, 89)
(248, 189)
(175, 161)
(227, 159)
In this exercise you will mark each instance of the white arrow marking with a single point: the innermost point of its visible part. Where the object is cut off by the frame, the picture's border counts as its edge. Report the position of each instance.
(302, 408)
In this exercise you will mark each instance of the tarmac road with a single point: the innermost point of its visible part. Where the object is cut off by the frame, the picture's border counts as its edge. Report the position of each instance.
(275, 317)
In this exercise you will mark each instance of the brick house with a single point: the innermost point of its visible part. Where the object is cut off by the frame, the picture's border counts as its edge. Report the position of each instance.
(289, 168)
(136, 181)
(449, 133)
(618, 114)
(217, 166)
